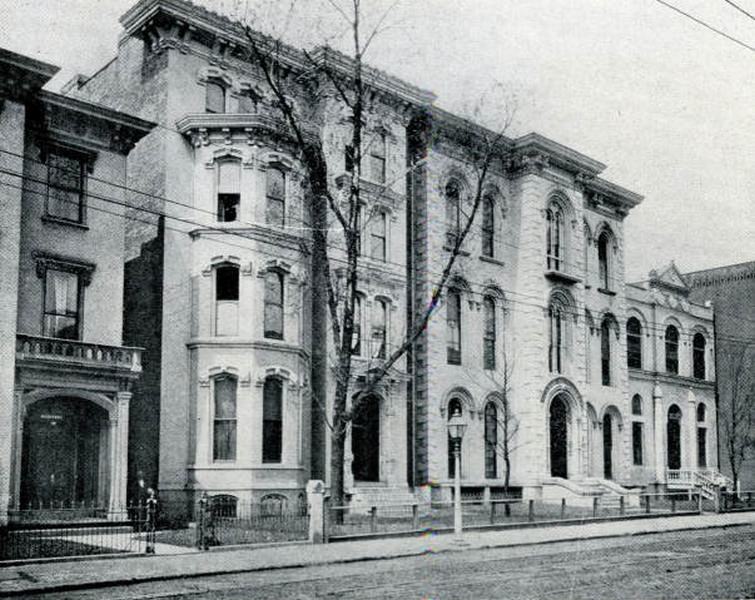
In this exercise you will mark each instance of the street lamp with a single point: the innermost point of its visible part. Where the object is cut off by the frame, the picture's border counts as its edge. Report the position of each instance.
(456, 427)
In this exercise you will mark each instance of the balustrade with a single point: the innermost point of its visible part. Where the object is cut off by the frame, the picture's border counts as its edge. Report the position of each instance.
(77, 352)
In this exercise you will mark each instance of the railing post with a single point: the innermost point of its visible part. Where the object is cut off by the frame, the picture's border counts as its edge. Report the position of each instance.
(317, 512)
(202, 523)
(415, 516)
(595, 507)
(151, 522)
(749, 499)
(673, 504)
(622, 508)
(373, 519)
(531, 510)
(647, 504)
(700, 501)
(492, 512)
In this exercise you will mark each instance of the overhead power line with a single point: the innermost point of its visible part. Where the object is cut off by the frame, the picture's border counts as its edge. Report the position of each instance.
(706, 25)
(740, 9)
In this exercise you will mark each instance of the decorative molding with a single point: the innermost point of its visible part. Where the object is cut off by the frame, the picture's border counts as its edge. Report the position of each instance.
(46, 261)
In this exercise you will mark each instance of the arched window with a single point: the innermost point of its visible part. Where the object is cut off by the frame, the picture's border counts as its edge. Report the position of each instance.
(274, 305)
(356, 344)
(453, 212)
(554, 217)
(672, 349)
(453, 327)
(214, 97)
(272, 420)
(702, 437)
(379, 329)
(605, 352)
(491, 441)
(698, 356)
(454, 406)
(603, 261)
(275, 210)
(488, 226)
(557, 336)
(224, 420)
(226, 300)
(634, 343)
(489, 339)
(229, 190)
(378, 236)
(637, 405)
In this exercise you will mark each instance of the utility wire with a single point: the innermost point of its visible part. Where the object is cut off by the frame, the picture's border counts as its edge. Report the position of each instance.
(707, 26)
(740, 9)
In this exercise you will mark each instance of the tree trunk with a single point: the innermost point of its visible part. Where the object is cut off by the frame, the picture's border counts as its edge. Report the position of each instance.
(506, 481)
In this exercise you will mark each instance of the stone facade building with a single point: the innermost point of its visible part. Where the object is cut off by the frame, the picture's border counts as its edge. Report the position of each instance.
(240, 373)
(65, 393)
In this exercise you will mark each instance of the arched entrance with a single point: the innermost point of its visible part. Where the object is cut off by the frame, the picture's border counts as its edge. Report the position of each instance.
(65, 454)
(365, 441)
(674, 437)
(607, 446)
(559, 419)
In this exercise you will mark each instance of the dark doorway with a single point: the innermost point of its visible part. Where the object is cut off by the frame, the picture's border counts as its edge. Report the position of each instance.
(365, 441)
(674, 438)
(559, 414)
(607, 446)
(62, 454)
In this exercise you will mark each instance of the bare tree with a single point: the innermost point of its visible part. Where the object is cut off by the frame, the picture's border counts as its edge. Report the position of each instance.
(737, 411)
(347, 78)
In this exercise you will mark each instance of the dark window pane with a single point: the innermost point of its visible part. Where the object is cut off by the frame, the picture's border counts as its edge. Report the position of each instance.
(489, 338)
(228, 207)
(603, 260)
(379, 330)
(453, 208)
(454, 406)
(488, 226)
(491, 441)
(356, 344)
(227, 283)
(702, 450)
(61, 313)
(637, 443)
(224, 429)
(634, 343)
(672, 349)
(605, 353)
(273, 305)
(272, 421)
(698, 356)
(637, 405)
(65, 177)
(453, 328)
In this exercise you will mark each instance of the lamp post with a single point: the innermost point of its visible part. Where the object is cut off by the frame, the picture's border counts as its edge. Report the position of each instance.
(456, 427)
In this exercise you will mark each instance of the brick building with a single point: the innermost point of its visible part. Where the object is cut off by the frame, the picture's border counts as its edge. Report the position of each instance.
(731, 291)
(239, 342)
(64, 398)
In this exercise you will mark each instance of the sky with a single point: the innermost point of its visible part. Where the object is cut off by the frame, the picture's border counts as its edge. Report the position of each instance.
(667, 104)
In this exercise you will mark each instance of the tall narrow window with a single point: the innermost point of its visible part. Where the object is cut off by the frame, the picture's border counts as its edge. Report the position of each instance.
(226, 300)
(634, 343)
(453, 212)
(454, 407)
(637, 405)
(603, 262)
(488, 226)
(702, 437)
(272, 420)
(275, 211)
(698, 356)
(224, 428)
(61, 316)
(554, 237)
(491, 441)
(356, 344)
(377, 159)
(453, 328)
(229, 190)
(489, 339)
(66, 174)
(214, 98)
(378, 244)
(379, 329)
(637, 442)
(605, 352)
(274, 305)
(672, 349)
(557, 327)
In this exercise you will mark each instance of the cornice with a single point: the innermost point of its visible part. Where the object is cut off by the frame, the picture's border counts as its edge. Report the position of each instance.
(535, 150)
(604, 193)
(22, 76)
(678, 380)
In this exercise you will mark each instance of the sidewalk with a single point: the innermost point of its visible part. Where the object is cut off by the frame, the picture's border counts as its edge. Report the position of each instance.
(68, 575)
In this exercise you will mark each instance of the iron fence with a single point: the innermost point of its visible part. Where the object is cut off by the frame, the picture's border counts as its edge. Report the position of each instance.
(57, 531)
(348, 521)
(732, 501)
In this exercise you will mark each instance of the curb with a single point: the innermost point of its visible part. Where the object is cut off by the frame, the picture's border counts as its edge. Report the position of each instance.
(404, 554)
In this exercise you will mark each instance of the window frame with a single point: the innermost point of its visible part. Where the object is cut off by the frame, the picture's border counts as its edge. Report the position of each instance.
(382, 218)
(282, 200)
(605, 353)
(555, 249)
(226, 195)
(488, 225)
(217, 420)
(699, 366)
(634, 344)
(557, 324)
(84, 164)
(491, 447)
(378, 155)
(268, 304)
(77, 316)
(379, 329)
(453, 347)
(490, 333)
(453, 402)
(215, 84)
(604, 260)
(453, 211)
(218, 269)
(638, 443)
(272, 428)
(671, 349)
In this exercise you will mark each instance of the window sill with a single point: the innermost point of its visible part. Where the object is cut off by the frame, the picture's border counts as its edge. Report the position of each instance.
(562, 277)
(491, 260)
(65, 222)
(606, 292)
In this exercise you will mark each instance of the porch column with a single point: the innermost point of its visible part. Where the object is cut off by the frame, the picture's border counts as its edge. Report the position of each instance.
(119, 463)
(659, 424)
(691, 460)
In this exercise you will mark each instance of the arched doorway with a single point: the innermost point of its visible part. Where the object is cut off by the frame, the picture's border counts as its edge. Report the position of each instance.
(365, 441)
(559, 418)
(607, 446)
(65, 454)
(674, 437)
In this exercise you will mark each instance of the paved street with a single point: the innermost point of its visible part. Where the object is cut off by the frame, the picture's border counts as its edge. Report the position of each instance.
(718, 563)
